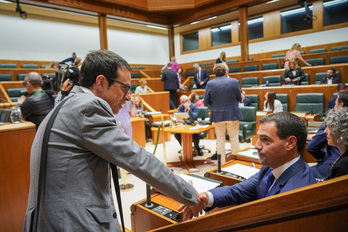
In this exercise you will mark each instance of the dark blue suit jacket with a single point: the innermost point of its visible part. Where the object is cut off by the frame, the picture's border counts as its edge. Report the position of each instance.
(204, 78)
(247, 102)
(331, 103)
(324, 153)
(296, 176)
(170, 78)
(223, 95)
(335, 80)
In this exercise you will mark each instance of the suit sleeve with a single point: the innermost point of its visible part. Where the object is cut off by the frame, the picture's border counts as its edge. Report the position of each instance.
(207, 96)
(101, 135)
(301, 75)
(193, 112)
(318, 142)
(206, 76)
(285, 75)
(163, 77)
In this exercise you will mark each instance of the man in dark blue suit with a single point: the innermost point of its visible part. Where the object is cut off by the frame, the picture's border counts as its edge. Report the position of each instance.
(331, 77)
(201, 76)
(246, 101)
(281, 139)
(171, 84)
(341, 87)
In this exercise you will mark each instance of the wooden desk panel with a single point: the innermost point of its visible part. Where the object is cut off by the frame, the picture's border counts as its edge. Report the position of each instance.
(15, 145)
(158, 100)
(138, 125)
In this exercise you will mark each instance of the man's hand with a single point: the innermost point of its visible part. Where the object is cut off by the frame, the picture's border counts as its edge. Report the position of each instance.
(287, 79)
(196, 209)
(178, 90)
(21, 99)
(201, 83)
(66, 85)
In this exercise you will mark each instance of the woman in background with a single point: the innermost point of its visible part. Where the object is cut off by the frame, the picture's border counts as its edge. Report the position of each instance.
(337, 135)
(175, 65)
(195, 99)
(293, 74)
(294, 54)
(221, 59)
(271, 103)
(124, 117)
(141, 88)
(180, 71)
(139, 111)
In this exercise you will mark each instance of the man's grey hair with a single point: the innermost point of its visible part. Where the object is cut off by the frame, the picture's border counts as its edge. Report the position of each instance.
(196, 65)
(33, 78)
(337, 121)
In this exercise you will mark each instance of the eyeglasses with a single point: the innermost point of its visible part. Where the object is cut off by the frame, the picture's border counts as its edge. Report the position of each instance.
(126, 90)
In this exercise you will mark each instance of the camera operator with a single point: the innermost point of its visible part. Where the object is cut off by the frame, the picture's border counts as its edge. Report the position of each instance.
(38, 103)
(65, 79)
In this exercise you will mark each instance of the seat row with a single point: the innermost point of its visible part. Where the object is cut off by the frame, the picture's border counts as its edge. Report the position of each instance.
(21, 76)
(313, 51)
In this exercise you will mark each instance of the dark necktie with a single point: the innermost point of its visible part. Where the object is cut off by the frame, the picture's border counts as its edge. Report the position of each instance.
(270, 180)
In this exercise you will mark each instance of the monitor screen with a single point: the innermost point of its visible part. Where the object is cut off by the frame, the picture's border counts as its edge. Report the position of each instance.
(181, 117)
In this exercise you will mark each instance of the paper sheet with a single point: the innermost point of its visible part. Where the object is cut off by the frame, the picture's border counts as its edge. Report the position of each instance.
(241, 170)
(201, 185)
(198, 127)
(252, 153)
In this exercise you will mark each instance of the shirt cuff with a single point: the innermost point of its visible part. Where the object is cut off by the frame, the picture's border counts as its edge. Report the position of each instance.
(210, 199)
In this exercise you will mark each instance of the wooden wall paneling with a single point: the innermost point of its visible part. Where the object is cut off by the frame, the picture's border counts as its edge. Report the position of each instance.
(171, 41)
(235, 37)
(103, 31)
(244, 40)
(318, 16)
(138, 125)
(158, 100)
(271, 25)
(204, 37)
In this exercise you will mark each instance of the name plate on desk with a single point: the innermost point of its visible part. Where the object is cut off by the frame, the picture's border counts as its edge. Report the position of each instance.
(241, 170)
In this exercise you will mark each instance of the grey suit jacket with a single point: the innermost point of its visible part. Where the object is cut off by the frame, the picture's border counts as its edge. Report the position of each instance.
(84, 140)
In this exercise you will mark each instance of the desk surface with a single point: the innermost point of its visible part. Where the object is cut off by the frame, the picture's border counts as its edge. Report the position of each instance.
(16, 126)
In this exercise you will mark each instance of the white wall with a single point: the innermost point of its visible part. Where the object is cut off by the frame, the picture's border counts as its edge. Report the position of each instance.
(34, 39)
(323, 37)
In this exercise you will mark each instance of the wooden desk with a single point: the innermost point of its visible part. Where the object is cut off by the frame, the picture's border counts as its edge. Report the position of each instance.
(186, 142)
(15, 145)
(138, 125)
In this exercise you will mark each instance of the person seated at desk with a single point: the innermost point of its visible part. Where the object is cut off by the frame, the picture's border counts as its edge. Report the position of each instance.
(271, 103)
(195, 99)
(341, 87)
(141, 88)
(293, 74)
(245, 101)
(139, 112)
(337, 135)
(192, 109)
(319, 147)
(331, 77)
(281, 139)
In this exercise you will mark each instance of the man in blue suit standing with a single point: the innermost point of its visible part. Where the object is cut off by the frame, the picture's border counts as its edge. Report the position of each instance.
(171, 84)
(281, 139)
(223, 95)
(201, 76)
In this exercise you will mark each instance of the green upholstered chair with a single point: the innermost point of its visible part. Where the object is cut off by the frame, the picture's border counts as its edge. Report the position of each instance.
(132, 67)
(14, 93)
(339, 48)
(209, 72)
(278, 55)
(250, 58)
(250, 68)
(21, 76)
(190, 74)
(305, 81)
(5, 115)
(270, 66)
(254, 98)
(133, 87)
(8, 66)
(275, 80)
(247, 126)
(317, 50)
(207, 64)
(191, 85)
(5, 77)
(44, 65)
(30, 66)
(339, 59)
(310, 102)
(203, 113)
(250, 82)
(140, 68)
(234, 69)
(318, 77)
(316, 61)
(135, 75)
(232, 61)
(284, 99)
(302, 52)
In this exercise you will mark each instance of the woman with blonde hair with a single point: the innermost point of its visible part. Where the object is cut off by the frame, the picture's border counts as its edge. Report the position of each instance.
(141, 88)
(271, 103)
(222, 58)
(293, 74)
(294, 54)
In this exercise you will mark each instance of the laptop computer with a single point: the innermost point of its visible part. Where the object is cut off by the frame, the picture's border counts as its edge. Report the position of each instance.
(181, 117)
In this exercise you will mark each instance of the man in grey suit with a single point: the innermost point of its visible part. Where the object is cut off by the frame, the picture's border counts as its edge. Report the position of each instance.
(84, 140)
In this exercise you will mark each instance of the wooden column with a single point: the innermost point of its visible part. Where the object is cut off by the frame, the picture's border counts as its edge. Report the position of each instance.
(103, 31)
(171, 41)
(244, 39)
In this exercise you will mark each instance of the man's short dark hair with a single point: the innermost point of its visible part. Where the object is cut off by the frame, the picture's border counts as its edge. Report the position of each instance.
(288, 125)
(169, 65)
(334, 70)
(101, 62)
(220, 70)
(343, 98)
(341, 86)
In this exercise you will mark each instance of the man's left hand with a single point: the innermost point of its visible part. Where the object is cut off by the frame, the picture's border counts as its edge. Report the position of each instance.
(21, 99)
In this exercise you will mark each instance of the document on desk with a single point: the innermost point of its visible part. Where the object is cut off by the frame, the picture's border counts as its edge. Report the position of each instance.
(252, 153)
(198, 127)
(201, 184)
(241, 170)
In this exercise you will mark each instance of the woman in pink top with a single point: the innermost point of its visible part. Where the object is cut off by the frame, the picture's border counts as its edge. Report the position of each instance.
(195, 99)
(294, 54)
(175, 65)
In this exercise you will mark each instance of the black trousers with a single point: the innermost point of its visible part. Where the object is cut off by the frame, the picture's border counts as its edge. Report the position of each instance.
(172, 99)
(195, 139)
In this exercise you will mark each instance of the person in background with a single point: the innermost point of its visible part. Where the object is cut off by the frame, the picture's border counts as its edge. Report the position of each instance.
(39, 103)
(175, 65)
(223, 96)
(171, 84)
(245, 101)
(293, 74)
(192, 110)
(124, 117)
(141, 88)
(337, 135)
(201, 77)
(221, 59)
(73, 60)
(318, 146)
(281, 139)
(294, 54)
(331, 77)
(341, 87)
(180, 71)
(139, 112)
(195, 99)
(272, 103)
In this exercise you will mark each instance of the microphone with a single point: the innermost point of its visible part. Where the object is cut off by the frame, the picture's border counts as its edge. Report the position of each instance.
(148, 197)
(219, 162)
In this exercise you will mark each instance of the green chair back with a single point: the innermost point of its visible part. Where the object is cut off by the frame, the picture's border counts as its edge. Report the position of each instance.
(21, 76)
(232, 61)
(5, 77)
(278, 55)
(207, 64)
(270, 66)
(254, 98)
(284, 99)
(5, 115)
(250, 82)
(317, 50)
(203, 112)
(135, 75)
(339, 59)
(234, 69)
(318, 77)
(140, 68)
(250, 68)
(305, 81)
(310, 102)
(190, 74)
(275, 80)
(30, 66)
(316, 61)
(8, 66)
(339, 48)
(247, 126)
(133, 87)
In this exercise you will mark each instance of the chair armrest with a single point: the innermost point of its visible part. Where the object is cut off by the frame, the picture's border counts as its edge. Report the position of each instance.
(247, 126)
